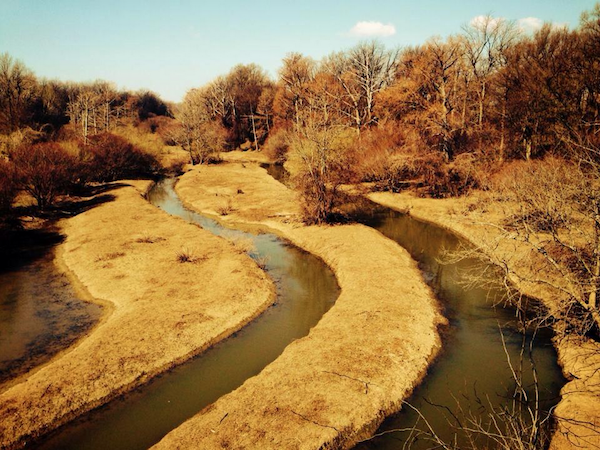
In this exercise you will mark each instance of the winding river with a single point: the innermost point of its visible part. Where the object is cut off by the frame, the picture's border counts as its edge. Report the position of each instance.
(473, 359)
(473, 363)
(306, 289)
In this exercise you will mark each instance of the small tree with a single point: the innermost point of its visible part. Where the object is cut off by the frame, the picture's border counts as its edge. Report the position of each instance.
(321, 156)
(44, 170)
(8, 185)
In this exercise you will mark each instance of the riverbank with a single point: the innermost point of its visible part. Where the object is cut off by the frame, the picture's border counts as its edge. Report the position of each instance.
(125, 254)
(333, 387)
(578, 413)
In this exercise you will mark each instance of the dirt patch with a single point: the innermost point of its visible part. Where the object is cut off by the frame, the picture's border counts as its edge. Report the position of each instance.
(578, 412)
(123, 254)
(334, 386)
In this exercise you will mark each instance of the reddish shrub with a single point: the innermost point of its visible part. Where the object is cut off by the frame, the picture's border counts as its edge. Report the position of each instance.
(432, 175)
(112, 157)
(8, 185)
(44, 170)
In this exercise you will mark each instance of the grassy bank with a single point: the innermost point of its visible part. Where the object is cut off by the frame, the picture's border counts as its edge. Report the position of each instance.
(333, 387)
(124, 254)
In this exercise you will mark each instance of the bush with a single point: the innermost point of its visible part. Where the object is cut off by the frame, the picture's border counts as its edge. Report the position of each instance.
(442, 179)
(111, 158)
(431, 174)
(44, 170)
(323, 160)
(8, 185)
(277, 146)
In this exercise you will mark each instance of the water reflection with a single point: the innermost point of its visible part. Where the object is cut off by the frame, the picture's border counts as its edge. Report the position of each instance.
(40, 313)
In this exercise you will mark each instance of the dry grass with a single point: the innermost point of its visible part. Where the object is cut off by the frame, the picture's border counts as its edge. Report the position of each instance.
(186, 255)
(226, 209)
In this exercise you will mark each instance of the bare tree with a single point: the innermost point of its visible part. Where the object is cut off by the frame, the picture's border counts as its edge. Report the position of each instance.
(362, 73)
(486, 42)
(200, 134)
(17, 90)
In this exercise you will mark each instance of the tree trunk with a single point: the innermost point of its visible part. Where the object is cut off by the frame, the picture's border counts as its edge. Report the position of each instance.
(502, 130)
(254, 132)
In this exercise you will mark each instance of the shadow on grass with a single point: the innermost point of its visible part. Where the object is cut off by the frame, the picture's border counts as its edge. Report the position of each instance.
(28, 234)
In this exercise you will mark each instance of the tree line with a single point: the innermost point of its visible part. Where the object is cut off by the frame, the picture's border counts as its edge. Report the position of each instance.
(434, 115)
(55, 135)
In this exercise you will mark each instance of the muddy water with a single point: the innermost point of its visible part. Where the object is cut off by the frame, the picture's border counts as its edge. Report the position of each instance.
(473, 365)
(40, 313)
(472, 371)
(306, 289)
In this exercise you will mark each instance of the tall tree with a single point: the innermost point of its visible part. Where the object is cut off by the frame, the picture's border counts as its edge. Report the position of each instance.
(17, 92)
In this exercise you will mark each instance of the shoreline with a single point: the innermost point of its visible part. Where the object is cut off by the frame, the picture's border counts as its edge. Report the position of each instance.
(578, 412)
(334, 386)
(140, 336)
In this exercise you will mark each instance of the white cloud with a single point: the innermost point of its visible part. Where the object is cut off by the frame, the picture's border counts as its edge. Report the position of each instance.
(530, 24)
(372, 28)
(485, 21)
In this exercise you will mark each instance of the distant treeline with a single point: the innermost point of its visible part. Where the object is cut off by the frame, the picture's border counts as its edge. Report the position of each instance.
(491, 90)
(434, 116)
(45, 106)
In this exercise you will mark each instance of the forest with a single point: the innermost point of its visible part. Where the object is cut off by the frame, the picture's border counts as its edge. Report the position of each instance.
(492, 113)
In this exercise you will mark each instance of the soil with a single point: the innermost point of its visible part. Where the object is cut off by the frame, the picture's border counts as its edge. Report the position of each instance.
(333, 387)
(159, 312)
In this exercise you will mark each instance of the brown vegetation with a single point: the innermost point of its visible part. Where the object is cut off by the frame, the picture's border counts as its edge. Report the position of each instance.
(8, 185)
(334, 386)
(44, 170)
(150, 324)
(109, 157)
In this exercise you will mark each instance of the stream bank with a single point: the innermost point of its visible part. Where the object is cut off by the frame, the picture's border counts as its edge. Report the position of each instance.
(124, 253)
(472, 343)
(333, 387)
(578, 412)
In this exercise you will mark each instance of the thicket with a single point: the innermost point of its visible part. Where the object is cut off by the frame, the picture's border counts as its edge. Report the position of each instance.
(45, 171)
(56, 136)
(109, 157)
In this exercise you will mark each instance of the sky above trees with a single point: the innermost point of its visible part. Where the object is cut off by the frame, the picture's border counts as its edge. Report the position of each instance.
(171, 46)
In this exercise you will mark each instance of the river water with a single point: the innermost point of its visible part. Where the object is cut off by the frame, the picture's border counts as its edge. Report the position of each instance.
(40, 313)
(306, 289)
(472, 365)
(472, 376)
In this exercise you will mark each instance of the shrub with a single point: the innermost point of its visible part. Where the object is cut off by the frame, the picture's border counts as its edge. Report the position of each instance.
(323, 160)
(187, 255)
(8, 185)
(431, 174)
(442, 179)
(277, 146)
(44, 170)
(112, 158)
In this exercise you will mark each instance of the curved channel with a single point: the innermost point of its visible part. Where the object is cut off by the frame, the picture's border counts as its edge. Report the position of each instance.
(40, 312)
(473, 364)
(306, 289)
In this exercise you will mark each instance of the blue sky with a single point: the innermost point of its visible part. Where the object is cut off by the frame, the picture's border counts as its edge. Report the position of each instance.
(171, 46)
